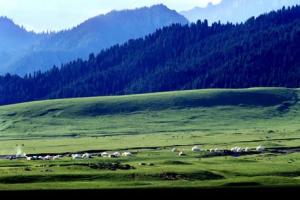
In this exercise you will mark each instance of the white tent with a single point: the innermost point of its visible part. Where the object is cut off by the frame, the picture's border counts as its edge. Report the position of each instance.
(126, 154)
(28, 158)
(47, 157)
(86, 155)
(196, 149)
(260, 148)
(116, 154)
(104, 154)
(76, 156)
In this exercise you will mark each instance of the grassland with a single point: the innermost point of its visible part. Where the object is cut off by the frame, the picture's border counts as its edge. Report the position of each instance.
(140, 123)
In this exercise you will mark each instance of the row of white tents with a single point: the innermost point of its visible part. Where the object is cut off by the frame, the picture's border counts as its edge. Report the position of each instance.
(104, 155)
(116, 154)
(80, 156)
(43, 157)
(236, 149)
(128, 154)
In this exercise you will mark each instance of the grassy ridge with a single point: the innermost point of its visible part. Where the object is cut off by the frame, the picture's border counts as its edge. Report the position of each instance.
(156, 101)
(210, 118)
(161, 119)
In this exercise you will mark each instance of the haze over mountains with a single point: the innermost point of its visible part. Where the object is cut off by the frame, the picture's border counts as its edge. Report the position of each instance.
(13, 40)
(235, 11)
(24, 52)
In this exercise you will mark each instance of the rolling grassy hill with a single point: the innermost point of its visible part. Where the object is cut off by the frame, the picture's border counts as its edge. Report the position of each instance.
(151, 120)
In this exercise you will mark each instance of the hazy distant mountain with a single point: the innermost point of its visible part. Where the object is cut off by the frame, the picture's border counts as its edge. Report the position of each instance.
(235, 10)
(14, 40)
(13, 36)
(91, 36)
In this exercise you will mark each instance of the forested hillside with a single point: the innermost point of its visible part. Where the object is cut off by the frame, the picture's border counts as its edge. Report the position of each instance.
(263, 51)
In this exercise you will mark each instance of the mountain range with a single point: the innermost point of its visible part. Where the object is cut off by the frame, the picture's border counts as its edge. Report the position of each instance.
(23, 52)
(261, 52)
(235, 11)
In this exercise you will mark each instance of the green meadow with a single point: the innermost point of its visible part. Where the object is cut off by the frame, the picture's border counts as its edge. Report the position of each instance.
(149, 126)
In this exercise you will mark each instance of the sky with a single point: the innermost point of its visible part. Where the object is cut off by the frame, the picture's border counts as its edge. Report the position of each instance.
(54, 15)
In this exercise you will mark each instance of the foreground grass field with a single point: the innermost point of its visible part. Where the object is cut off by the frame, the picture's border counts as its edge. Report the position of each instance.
(151, 125)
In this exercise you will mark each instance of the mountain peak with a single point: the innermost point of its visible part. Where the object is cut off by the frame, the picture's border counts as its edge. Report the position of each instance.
(6, 21)
(8, 24)
(235, 11)
(158, 12)
(160, 6)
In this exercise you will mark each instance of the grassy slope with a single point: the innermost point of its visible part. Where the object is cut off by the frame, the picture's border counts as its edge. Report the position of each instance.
(176, 117)
(213, 118)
